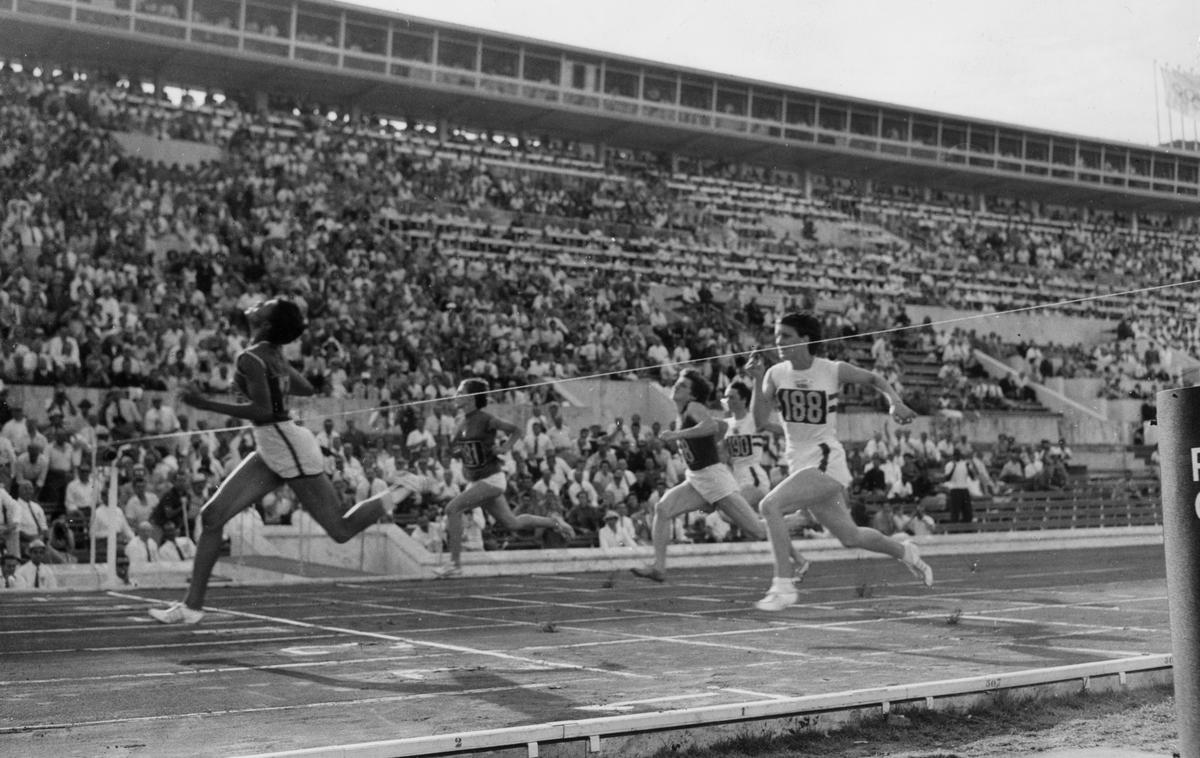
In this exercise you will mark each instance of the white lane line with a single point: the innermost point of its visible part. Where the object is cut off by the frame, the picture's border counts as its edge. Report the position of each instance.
(205, 643)
(1041, 622)
(197, 672)
(752, 693)
(206, 714)
(628, 705)
(415, 642)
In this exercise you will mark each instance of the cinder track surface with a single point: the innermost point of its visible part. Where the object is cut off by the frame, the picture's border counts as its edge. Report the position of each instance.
(277, 668)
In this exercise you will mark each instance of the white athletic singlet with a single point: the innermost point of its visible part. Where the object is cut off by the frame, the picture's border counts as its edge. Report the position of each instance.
(743, 442)
(807, 402)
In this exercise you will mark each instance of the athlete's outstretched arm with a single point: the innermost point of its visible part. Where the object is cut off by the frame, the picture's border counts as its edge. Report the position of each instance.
(850, 374)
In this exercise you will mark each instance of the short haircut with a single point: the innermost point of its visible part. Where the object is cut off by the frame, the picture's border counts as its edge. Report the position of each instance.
(477, 387)
(743, 391)
(701, 388)
(285, 322)
(805, 324)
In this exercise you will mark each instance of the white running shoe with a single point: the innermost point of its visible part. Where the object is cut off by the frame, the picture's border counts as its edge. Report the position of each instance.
(449, 571)
(176, 613)
(919, 568)
(776, 600)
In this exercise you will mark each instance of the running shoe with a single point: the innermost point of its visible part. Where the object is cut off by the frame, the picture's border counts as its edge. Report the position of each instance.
(176, 613)
(919, 568)
(776, 600)
(449, 571)
(648, 572)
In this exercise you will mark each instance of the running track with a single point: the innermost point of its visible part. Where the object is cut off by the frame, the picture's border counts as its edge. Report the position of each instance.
(276, 668)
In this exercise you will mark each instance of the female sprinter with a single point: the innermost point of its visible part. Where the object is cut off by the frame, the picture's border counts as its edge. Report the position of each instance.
(475, 438)
(805, 388)
(284, 452)
(708, 483)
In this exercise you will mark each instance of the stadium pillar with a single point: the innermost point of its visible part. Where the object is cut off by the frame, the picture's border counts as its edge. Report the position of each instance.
(1179, 454)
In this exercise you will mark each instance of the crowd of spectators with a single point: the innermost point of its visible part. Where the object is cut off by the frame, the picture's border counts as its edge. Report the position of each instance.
(422, 259)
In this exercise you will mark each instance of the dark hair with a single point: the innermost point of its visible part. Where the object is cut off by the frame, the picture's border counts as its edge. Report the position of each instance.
(701, 388)
(743, 391)
(285, 321)
(805, 324)
(477, 387)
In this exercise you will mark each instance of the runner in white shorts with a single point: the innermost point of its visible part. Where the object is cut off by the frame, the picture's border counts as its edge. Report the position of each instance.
(805, 390)
(745, 439)
(708, 483)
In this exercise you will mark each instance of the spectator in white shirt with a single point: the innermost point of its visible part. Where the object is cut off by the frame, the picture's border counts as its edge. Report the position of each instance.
(613, 534)
(10, 517)
(175, 548)
(141, 501)
(428, 534)
(8, 457)
(16, 430)
(8, 574)
(82, 494)
(420, 442)
(109, 519)
(36, 574)
(160, 419)
(142, 549)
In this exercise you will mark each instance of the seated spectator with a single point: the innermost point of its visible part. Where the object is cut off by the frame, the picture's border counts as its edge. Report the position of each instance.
(82, 496)
(32, 466)
(8, 572)
(174, 505)
(613, 534)
(33, 525)
(717, 528)
(175, 548)
(428, 533)
(901, 490)
(918, 523)
(141, 501)
(873, 478)
(1013, 471)
(884, 519)
(585, 516)
(109, 519)
(143, 548)
(36, 573)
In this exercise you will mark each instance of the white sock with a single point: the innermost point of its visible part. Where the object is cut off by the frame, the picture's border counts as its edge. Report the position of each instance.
(782, 584)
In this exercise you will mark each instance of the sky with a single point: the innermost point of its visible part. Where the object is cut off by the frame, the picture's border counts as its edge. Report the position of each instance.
(1084, 67)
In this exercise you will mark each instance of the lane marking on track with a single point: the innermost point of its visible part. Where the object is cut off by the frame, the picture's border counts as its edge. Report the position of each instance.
(629, 705)
(134, 648)
(207, 714)
(210, 670)
(415, 642)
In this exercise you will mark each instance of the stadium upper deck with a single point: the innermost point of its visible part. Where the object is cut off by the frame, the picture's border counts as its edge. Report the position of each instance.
(391, 64)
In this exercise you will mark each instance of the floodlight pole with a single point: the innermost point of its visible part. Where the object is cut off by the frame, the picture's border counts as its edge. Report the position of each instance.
(1179, 458)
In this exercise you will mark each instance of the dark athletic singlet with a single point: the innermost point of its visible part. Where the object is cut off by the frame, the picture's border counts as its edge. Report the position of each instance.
(278, 380)
(475, 439)
(698, 452)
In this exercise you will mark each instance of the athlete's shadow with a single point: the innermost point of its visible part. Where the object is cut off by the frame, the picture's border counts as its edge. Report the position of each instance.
(531, 698)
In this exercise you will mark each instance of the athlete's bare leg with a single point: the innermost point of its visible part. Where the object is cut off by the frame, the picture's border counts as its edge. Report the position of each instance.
(680, 499)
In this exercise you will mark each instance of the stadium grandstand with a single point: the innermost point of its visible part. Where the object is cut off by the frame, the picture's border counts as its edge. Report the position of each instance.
(452, 202)
(577, 228)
